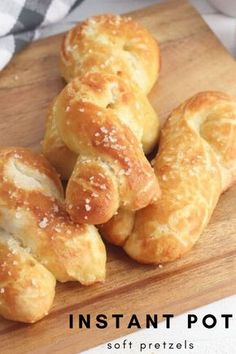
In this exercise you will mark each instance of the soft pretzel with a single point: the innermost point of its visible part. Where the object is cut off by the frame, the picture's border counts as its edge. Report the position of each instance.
(27, 288)
(37, 232)
(113, 44)
(102, 119)
(196, 162)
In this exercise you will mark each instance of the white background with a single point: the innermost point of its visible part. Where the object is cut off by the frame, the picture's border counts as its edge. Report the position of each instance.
(217, 340)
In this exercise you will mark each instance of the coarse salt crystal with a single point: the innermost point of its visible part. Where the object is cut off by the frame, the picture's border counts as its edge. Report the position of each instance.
(95, 195)
(33, 282)
(112, 140)
(43, 223)
(104, 130)
(87, 207)
(55, 208)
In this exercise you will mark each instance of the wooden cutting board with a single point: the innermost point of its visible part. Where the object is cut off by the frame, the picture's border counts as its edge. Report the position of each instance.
(192, 60)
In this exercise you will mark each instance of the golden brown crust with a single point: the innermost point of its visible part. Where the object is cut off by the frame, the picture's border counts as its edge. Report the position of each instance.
(27, 288)
(113, 44)
(38, 241)
(62, 158)
(32, 209)
(94, 116)
(196, 162)
(118, 228)
(102, 116)
(108, 93)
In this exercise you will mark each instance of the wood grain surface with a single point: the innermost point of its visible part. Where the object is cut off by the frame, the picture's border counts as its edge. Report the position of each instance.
(192, 60)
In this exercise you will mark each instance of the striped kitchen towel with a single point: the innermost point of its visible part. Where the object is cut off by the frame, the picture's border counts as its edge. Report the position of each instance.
(20, 20)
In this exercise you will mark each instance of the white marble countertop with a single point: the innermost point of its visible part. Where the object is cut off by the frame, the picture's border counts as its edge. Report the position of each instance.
(217, 340)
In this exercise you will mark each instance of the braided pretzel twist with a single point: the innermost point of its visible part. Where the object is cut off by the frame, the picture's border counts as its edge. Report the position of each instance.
(103, 119)
(102, 116)
(196, 162)
(38, 242)
(111, 44)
